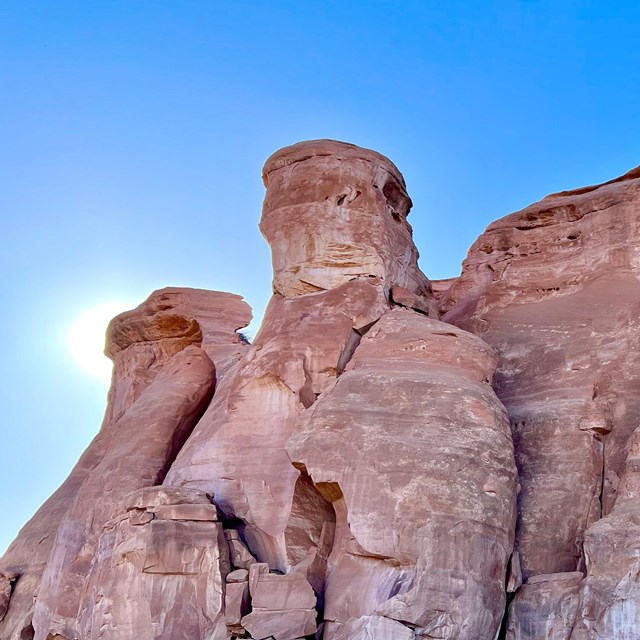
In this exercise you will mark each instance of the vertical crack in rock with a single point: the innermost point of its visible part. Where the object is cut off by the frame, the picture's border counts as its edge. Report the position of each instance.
(348, 351)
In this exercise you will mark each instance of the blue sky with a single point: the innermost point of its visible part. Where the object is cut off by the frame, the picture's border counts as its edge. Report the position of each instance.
(133, 134)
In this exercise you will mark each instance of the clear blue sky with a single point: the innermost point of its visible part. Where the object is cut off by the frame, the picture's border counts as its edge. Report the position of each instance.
(132, 135)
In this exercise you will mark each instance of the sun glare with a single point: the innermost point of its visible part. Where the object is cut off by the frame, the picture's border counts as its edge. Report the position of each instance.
(86, 338)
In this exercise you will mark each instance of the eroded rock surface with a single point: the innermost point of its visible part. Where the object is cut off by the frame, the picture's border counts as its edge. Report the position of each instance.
(159, 570)
(334, 212)
(335, 261)
(140, 342)
(610, 596)
(143, 445)
(354, 473)
(545, 608)
(423, 533)
(555, 289)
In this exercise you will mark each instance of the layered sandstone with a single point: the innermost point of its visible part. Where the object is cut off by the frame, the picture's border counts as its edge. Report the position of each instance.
(555, 289)
(354, 473)
(141, 343)
(334, 212)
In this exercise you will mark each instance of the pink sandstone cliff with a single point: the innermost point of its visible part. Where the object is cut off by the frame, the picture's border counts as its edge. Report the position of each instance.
(389, 459)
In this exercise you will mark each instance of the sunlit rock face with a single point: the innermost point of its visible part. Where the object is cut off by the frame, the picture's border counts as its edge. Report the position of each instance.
(334, 212)
(390, 459)
(414, 450)
(555, 289)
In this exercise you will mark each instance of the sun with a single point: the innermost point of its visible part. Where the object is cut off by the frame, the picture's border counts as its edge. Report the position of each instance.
(86, 338)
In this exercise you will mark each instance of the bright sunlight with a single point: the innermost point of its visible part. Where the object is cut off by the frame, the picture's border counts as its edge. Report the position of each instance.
(86, 338)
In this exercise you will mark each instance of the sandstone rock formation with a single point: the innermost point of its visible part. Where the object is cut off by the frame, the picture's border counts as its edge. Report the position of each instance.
(141, 343)
(367, 468)
(422, 536)
(555, 289)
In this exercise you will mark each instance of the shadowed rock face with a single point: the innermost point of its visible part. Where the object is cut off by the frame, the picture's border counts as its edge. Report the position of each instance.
(351, 475)
(141, 342)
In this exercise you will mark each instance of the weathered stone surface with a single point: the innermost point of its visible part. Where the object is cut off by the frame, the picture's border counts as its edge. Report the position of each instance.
(334, 212)
(240, 556)
(238, 575)
(373, 628)
(236, 603)
(141, 341)
(281, 625)
(414, 450)
(136, 364)
(514, 575)
(159, 496)
(162, 580)
(610, 595)
(283, 606)
(206, 512)
(545, 608)
(555, 289)
(237, 451)
(141, 446)
(406, 298)
(5, 594)
(355, 466)
(279, 592)
(255, 571)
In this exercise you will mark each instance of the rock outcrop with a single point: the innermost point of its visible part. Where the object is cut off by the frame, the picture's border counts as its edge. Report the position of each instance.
(390, 459)
(423, 536)
(141, 343)
(555, 289)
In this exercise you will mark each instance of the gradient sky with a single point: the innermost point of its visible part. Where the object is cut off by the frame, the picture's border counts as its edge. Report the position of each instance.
(132, 137)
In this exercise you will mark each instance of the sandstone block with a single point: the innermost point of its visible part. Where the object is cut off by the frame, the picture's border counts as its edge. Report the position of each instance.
(281, 625)
(239, 575)
(236, 603)
(276, 592)
(373, 628)
(203, 512)
(545, 607)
